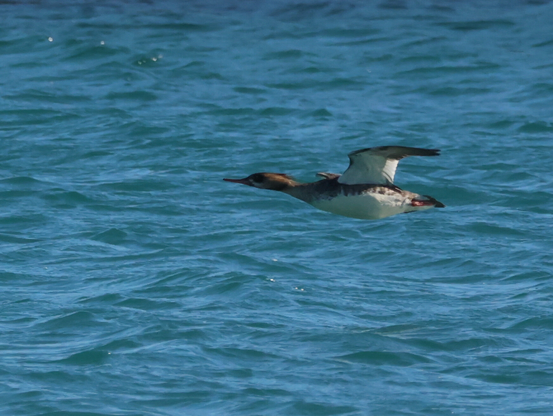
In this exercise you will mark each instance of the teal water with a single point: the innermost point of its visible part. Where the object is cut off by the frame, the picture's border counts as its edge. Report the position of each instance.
(135, 281)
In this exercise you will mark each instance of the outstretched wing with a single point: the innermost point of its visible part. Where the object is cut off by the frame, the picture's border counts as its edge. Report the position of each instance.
(328, 175)
(377, 165)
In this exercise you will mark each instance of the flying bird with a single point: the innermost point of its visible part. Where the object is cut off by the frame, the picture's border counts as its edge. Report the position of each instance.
(365, 190)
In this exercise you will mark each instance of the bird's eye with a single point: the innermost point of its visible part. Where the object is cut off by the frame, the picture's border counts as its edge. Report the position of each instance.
(257, 178)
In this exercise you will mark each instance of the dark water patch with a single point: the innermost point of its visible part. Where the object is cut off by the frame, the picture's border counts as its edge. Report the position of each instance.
(202, 49)
(400, 329)
(345, 32)
(463, 194)
(393, 5)
(71, 321)
(233, 282)
(168, 331)
(429, 343)
(342, 83)
(334, 84)
(98, 51)
(40, 96)
(513, 377)
(121, 345)
(27, 182)
(104, 299)
(249, 90)
(166, 280)
(421, 58)
(479, 343)
(137, 185)
(423, 42)
(71, 413)
(96, 154)
(29, 117)
(312, 70)
(193, 64)
(501, 125)
(536, 127)
(65, 199)
(290, 85)
(285, 34)
(7, 276)
(276, 111)
(91, 357)
(21, 45)
(209, 75)
(541, 88)
(455, 92)
(27, 220)
(147, 304)
(112, 236)
(484, 67)
(541, 323)
(232, 111)
(263, 392)
(143, 256)
(184, 27)
(287, 54)
(377, 58)
(234, 353)
(321, 112)
(17, 240)
(306, 407)
(518, 177)
(468, 26)
(302, 10)
(542, 44)
(400, 359)
(534, 275)
(362, 42)
(28, 395)
(525, 355)
(499, 378)
(138, 96)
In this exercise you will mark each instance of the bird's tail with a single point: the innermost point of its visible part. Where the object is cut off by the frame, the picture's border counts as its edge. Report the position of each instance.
(428, 202)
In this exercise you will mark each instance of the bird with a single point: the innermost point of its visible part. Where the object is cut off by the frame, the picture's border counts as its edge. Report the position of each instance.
(366, 190)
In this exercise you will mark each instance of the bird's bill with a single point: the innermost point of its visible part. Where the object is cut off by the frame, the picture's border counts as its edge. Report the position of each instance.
(244, 181)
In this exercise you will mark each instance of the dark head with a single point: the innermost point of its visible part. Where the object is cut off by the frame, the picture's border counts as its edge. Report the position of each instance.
(264, 180)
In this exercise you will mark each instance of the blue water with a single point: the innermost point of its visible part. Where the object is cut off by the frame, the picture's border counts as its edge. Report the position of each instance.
(134, 281)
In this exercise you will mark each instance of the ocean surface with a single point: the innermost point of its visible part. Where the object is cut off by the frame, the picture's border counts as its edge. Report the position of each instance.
(134, 281)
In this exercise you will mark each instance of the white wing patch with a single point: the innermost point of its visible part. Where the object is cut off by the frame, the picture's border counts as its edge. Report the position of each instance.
(367, 168)
(378, 165)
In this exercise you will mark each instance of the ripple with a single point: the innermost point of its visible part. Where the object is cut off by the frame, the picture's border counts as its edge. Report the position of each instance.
(383, 358)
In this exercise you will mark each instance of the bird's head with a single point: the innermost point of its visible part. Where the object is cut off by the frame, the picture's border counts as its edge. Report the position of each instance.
(265, 180)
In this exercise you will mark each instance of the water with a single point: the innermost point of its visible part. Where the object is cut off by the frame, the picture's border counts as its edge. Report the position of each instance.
(136, 282)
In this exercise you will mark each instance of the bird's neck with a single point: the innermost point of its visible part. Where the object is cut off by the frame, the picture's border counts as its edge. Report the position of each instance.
(298, 190)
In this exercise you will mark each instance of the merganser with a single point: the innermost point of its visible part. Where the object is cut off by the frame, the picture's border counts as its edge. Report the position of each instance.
(365, 190)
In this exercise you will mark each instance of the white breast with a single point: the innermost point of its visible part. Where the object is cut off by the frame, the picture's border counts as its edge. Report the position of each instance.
(366, 206)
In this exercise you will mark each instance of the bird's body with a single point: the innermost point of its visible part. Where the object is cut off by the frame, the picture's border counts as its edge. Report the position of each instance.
(364, 191)
(363, 202)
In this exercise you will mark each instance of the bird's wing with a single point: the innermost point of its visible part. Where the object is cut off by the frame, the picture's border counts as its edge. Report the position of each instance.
(328, 175)
(377, 165)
